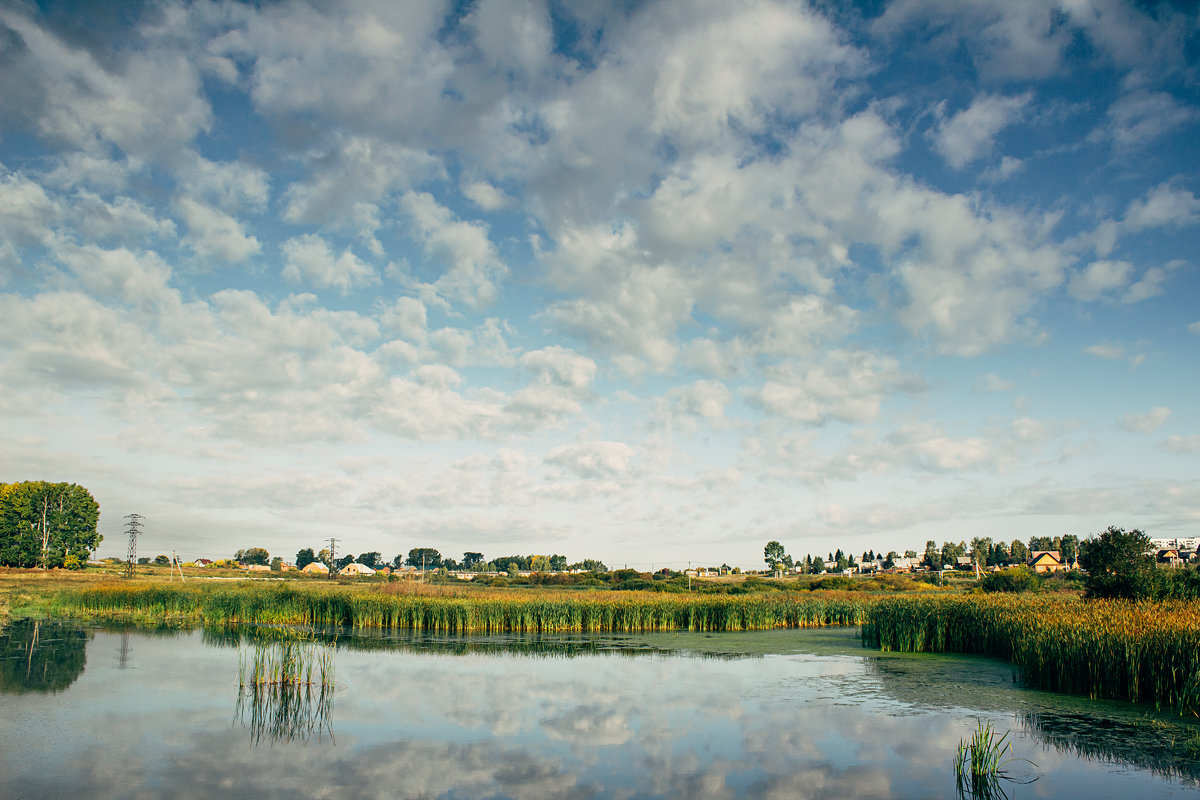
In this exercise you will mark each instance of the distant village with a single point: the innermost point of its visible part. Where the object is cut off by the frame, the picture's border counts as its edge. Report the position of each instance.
(982, 556)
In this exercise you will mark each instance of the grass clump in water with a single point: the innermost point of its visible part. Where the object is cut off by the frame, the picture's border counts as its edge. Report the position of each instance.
(981, 764)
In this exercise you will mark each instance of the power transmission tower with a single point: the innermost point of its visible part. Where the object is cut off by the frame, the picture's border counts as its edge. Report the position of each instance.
(133, 527)
(332, 558)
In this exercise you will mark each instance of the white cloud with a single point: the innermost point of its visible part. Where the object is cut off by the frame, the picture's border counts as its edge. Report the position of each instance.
(848, 386)
(562, 366)
(1107, 351)
(472, 271)
(991, 382)
(1098, 278)
(486, 196)
(1149, 422)
(1164, 205)
(1181, 445)
(1195, 327)
(970, 134)
(1140, 117)
(599, 459)
(311, 260)
(214, 234)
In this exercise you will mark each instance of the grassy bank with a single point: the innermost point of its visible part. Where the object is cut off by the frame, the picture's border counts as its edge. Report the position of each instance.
(1144, 652)
(489, 611)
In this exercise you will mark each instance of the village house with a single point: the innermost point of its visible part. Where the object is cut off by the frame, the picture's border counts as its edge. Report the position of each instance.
(1046, 561)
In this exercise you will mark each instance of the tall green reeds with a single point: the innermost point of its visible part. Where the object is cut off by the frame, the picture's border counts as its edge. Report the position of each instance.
(482, 612)
(285, 690)
(1140, 651)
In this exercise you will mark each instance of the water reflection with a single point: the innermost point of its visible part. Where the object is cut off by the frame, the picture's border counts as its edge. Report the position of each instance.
(37, 656)
(285, 691)
(1160, 746)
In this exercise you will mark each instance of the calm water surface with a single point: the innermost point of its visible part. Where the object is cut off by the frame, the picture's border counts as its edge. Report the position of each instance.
(787, 714)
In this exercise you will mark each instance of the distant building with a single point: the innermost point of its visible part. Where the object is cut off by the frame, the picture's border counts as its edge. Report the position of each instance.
(203, 562)
(355, 569)
(1046, 561)
(315, 568)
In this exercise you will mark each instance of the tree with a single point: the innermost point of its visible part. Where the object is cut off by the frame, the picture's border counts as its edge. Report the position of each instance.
(773, 554)
(304, 558)
(933, 557)
(424, 558)
(162, 560)
(981, 551)
(539, 563)
(558, 563)
(371, 559)
(398, 561)
(1039, 543)
(1018, 553)
(42, 523)
(345, 561)
(1069, 548)
(590, 565)
(910, 553)
(276, 564)
(818, 565)
(449, 564)
(471, 559)
(253, 555)
(1118, 564)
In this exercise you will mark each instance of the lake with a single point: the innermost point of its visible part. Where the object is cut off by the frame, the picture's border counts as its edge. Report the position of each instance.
(103, 712)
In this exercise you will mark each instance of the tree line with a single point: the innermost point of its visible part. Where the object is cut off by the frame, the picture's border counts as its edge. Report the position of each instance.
(982, 551)
(427, 558)
(49, 525)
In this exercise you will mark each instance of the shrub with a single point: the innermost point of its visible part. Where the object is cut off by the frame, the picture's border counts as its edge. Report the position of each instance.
(1017, 579)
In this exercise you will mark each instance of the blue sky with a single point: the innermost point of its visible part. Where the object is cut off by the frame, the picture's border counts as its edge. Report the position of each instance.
(653, 283)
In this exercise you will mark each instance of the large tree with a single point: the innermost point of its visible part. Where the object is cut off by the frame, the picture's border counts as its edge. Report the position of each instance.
(773, 554)
(424, 558)
(47, 524)
(305, 557)
(253, 555)
(371, 559)
(1118, 564)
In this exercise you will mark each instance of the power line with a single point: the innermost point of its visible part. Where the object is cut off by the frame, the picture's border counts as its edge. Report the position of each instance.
(133, 527)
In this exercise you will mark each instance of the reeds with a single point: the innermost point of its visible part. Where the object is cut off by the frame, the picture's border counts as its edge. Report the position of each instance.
(499, 611)
(285, 690)
(1139, 651)
(981, 764)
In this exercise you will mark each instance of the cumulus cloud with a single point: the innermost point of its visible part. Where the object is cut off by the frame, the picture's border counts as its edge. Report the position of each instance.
(1148, 422)
(1099, 278)
(310, 259)
(970, 134)
(848, 386)
(599, 459)
(215, 234)
(1164, 205)
(471, 271)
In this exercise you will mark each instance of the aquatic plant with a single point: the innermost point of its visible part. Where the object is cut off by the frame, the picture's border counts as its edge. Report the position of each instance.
(285, 689)
(981, 764)
(1116, 649)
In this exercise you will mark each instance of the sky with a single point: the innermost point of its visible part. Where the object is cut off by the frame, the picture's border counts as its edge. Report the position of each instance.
(651, 283)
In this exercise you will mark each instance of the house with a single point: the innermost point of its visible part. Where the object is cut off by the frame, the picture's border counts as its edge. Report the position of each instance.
(964, 563)
(1046, 561)
(315, 568)
(203, 562)
(1168, 557)
(355, 569)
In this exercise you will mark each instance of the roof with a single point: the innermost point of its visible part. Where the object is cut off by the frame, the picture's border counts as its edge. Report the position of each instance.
(1045, 557)
(357, 569)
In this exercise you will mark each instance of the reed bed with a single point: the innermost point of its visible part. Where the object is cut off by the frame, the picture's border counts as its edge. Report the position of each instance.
(482, 612)
(1146, 652)
(285, 690)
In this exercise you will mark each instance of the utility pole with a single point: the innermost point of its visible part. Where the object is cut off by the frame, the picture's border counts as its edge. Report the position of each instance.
(332, 558)
(175, 563)
(133, 528)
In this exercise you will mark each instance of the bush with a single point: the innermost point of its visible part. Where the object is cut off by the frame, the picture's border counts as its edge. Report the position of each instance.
(834, 582)
(1017, 579)
(73, 561)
